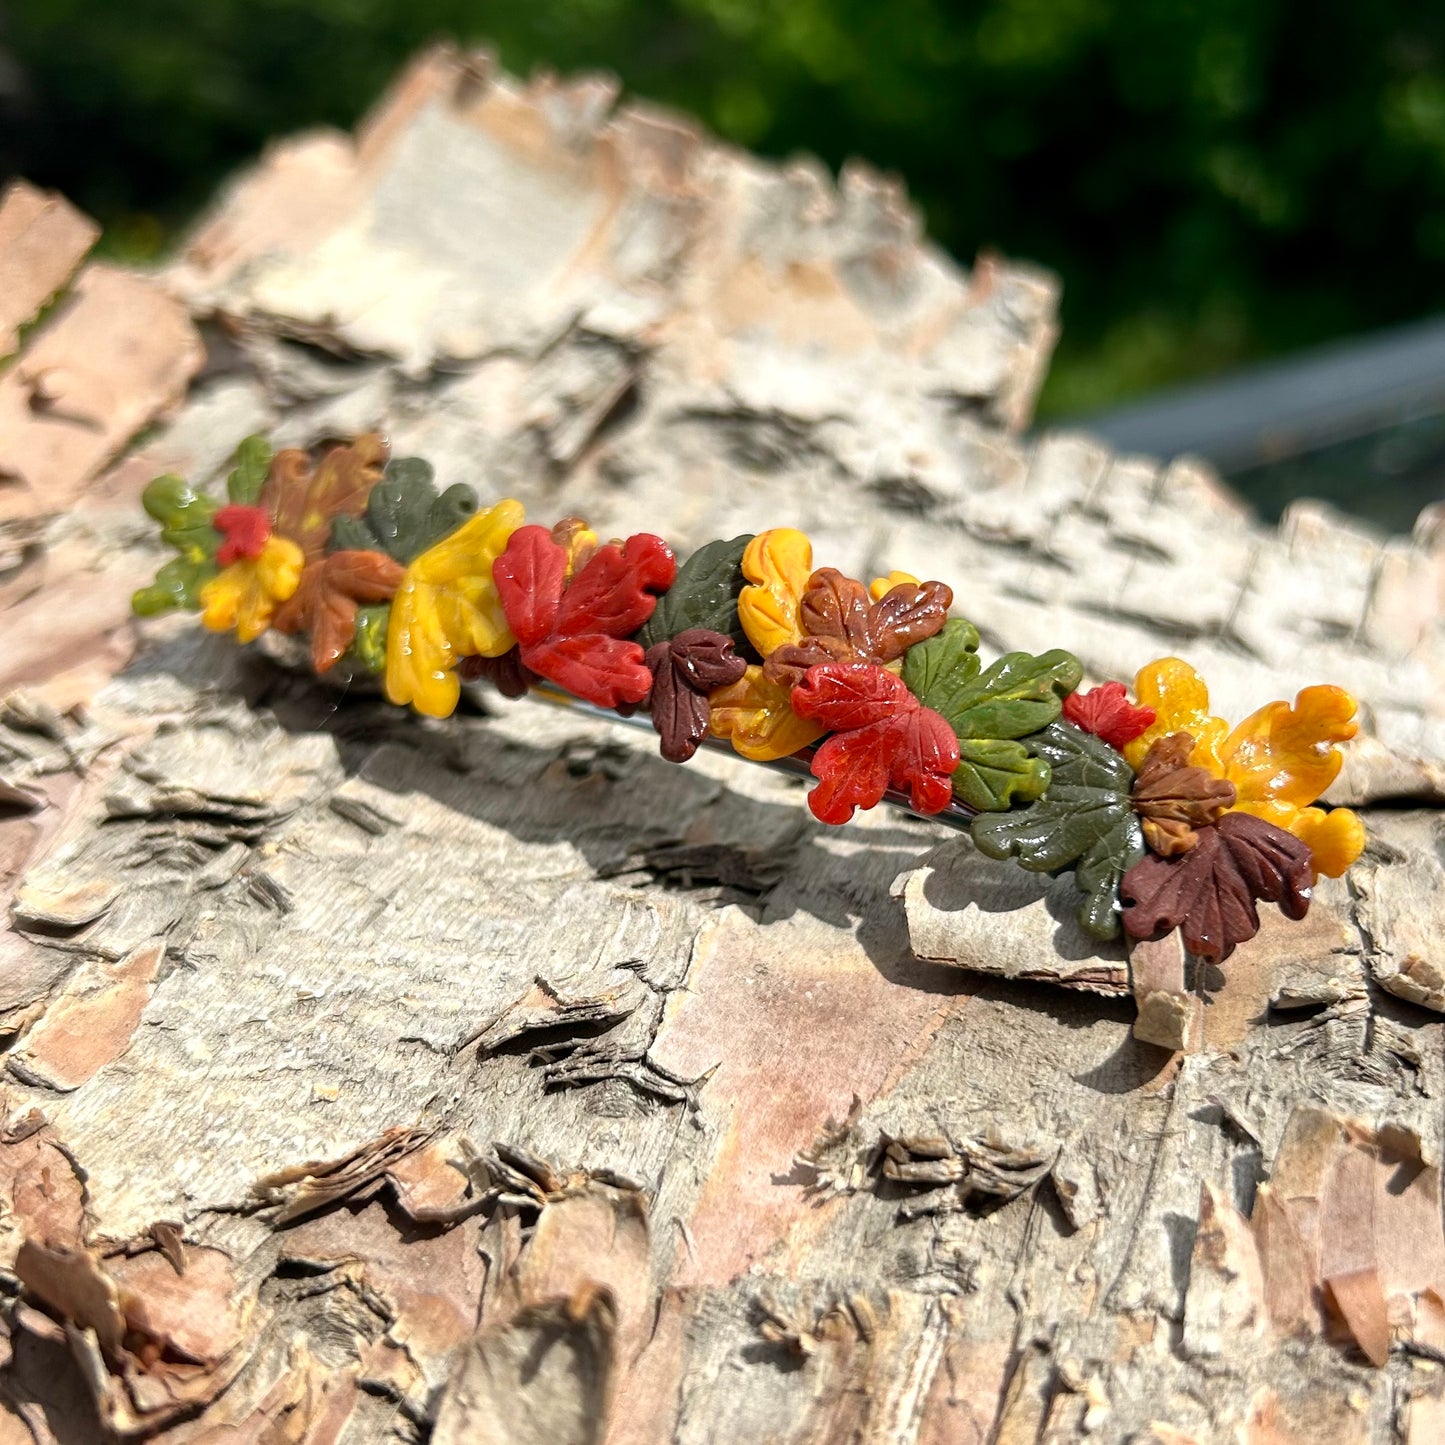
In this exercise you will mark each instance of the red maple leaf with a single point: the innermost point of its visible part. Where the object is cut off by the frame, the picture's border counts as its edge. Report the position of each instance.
(574, 633)
(882, 736)
(246, 530)
(1107, 712)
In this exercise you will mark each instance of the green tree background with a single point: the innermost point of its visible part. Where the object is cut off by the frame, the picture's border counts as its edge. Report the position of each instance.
(1215, 180)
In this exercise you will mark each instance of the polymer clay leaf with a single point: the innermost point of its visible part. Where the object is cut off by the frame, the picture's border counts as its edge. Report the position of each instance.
(1107, 712)
(577, 633)
(506, 673)
(248, 477)
(1280, 759)
(244, 596)
(329, 598)
(1180, 701)
(777, 564)
(842, 624)
(990, 710)
(404, 513)
(1084, 821)
(368, 644)
(881, 737)
(447, 608)
(1210, 892)
(1174, 799)
(1289, 755)
(244, 529)
(186, 525)
(685, 670)
(704, 595)
(756, 715)
(304, 498)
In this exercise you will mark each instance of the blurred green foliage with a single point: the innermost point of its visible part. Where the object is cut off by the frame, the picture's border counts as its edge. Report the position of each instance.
(1215, 180)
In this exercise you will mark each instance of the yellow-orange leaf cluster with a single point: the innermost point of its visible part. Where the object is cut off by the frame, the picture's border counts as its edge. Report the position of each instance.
(244, 596)
(446, 609)
(1280, 758)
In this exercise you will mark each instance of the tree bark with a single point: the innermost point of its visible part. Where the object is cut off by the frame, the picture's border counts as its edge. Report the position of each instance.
(371, 1078)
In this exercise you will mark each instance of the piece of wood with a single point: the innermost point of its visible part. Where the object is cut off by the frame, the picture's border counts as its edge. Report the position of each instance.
(43, 238)
(499, 1080)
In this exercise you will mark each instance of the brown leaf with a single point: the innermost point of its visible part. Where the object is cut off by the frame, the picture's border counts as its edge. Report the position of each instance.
(507, 673)
(908, 613)
(840, 625)
(684, 671)
(1209, 893)
(304, 499)
(326, 602)
(1173, 799)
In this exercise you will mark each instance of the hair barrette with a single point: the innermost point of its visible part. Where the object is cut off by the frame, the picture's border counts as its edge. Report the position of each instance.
(1166, 816)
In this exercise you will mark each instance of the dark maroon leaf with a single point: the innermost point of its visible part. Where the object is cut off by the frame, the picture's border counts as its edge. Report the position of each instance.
(507, 673)
(1209, 893)
(684, 671)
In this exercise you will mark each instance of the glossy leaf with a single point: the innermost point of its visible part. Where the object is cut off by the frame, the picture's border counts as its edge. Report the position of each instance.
(1181, 705)
(304, 497)
(577, 633)
(447, 608)
(705, 595)
(757, 716)
(1107, 712)
(1174, 799)
(1210, 892)
(368, 644)
(882, 737)
(244, 530)
(685, 670)
(329, 598)
(244, 596)
(777, 564)
(186, 525)
(248, 477)
(1279, 759)
(989, 709)
(1084, 821)
(405, 515)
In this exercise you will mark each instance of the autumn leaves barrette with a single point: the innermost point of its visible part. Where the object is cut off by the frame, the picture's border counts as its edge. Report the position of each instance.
(1166, 817)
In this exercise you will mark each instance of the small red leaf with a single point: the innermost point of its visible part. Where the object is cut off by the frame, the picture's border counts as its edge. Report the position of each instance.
(246, 530)
(882, 736)
(1107, 712)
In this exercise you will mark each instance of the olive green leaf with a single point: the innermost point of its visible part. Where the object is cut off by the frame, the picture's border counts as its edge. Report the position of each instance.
(368, 646)
(253, 461)
(1084, 821)
(705, 594)
(185, 518)
(404, 514)
(989, 709)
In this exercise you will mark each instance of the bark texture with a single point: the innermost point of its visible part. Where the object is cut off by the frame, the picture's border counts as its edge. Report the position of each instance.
(371, 1079)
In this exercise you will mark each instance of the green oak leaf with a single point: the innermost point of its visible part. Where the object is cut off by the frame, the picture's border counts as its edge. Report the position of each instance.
(989, 709)
(1084, 821)
(705, 594)
(404, 514)
(253, 462)
(368, 647)
(185, 518)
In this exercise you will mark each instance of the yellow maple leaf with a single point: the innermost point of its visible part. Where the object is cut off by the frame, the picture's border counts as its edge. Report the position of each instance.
(446, 609)
(1181, 705)
(1280, 758)
(778, 563)
(757, 715)
(245, 595)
